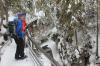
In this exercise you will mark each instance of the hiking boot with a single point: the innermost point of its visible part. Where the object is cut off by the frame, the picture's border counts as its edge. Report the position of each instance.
(24, 57)
(17, 58)
(21, 58)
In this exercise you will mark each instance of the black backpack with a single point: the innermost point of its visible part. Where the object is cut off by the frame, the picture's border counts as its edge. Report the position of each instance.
(12, 26)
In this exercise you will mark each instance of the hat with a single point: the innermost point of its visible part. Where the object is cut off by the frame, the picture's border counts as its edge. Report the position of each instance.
(21, 14)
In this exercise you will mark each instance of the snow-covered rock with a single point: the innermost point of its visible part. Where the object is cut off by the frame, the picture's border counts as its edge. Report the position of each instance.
(3, 30)
(1, 40)
(54, 30)
(55, 53)
(40, 14)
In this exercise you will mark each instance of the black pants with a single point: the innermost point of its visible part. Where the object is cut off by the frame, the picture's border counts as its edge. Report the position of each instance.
(20, 47)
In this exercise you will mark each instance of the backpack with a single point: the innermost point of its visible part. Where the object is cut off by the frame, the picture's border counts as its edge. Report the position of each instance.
(12, 26)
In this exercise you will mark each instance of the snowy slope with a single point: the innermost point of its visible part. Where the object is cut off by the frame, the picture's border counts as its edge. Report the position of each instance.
(51, 44)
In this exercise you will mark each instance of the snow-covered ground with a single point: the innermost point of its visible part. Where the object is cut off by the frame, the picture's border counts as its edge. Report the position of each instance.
(7, 59)
(51, 44)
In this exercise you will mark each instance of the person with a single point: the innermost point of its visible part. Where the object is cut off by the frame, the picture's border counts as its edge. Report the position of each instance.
(10, 28)
(19, 37)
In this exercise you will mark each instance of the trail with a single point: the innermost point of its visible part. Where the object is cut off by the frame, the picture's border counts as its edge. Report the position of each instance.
(7, 59)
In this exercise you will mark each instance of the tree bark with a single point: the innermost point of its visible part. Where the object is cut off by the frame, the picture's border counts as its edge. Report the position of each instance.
(4, 8)
(97, 33)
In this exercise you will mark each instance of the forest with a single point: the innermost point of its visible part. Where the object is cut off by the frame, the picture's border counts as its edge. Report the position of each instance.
(65, 32)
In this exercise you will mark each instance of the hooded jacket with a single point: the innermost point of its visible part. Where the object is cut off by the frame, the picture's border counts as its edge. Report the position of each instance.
(20, 28)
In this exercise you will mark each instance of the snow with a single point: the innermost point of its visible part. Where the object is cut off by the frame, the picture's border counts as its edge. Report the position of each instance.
(7, 59)
(1, 39)
(69, 6)
(77, 53)
(90, 24)
(68, 10)
(92, 64)
(3, 30)
(93, 51)
(54, 30)
(28, 20)
(40, 14)
(11, 18)
(51, 44)
(45, 61)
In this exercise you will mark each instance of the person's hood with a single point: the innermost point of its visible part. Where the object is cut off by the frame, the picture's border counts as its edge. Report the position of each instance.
(21, 14)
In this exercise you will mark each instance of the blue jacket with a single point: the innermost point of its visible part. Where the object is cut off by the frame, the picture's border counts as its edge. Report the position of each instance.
(19, 32)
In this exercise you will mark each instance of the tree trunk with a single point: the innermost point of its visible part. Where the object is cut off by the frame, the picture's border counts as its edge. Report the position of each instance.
(97, 33)
(7, 16)
(1, 13)
(76, 37)
(1, 22)
(4, 8)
